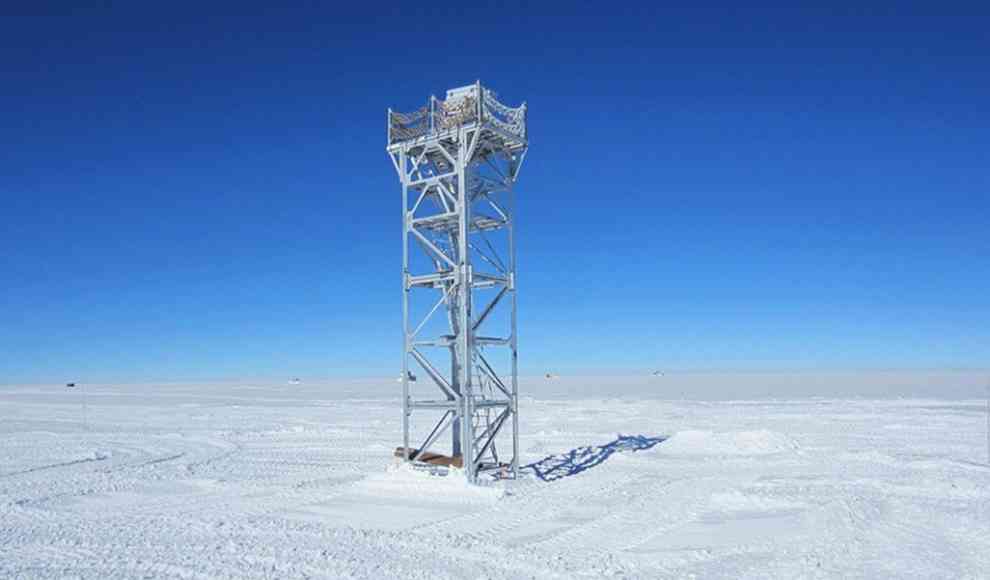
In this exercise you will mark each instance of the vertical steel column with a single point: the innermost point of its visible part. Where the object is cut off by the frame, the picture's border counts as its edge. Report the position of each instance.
(405, 303)
(464, 341)
(513, 343)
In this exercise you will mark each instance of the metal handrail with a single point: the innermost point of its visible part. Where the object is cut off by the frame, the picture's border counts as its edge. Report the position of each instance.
(441, 116)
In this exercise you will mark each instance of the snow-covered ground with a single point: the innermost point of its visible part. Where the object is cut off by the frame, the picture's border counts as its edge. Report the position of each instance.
(262, 480)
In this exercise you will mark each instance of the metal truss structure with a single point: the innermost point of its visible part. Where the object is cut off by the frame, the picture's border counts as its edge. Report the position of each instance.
(458, 160)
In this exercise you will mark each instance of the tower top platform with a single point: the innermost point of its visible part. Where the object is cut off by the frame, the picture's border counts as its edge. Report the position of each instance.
(470, 106)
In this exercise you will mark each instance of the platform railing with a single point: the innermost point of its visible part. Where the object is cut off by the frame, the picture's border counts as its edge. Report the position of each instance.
(439, 116)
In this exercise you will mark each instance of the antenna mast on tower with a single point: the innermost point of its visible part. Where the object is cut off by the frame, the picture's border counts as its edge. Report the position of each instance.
(457, 160)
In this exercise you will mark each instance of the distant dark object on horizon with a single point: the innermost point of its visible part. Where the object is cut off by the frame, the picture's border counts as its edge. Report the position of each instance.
(70, 384)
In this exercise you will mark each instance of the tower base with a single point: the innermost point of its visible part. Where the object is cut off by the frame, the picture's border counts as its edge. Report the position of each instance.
(430, 458)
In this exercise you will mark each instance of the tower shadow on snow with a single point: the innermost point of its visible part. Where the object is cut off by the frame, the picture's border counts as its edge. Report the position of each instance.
(554, 467)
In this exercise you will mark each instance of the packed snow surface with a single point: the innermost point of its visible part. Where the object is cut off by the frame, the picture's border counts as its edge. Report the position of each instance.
(276, 480)
(760, 442)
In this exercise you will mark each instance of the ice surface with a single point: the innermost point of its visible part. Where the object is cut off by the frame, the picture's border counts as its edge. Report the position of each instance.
(265, 479)
(761, 442)
(436, 485)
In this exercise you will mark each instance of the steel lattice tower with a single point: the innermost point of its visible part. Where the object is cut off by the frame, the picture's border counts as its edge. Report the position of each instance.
(458, 160)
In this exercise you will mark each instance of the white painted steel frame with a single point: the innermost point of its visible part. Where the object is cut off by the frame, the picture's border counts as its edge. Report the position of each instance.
(442, 153)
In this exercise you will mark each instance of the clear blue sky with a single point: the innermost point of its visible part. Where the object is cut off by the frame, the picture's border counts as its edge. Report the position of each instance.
(194, 191)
